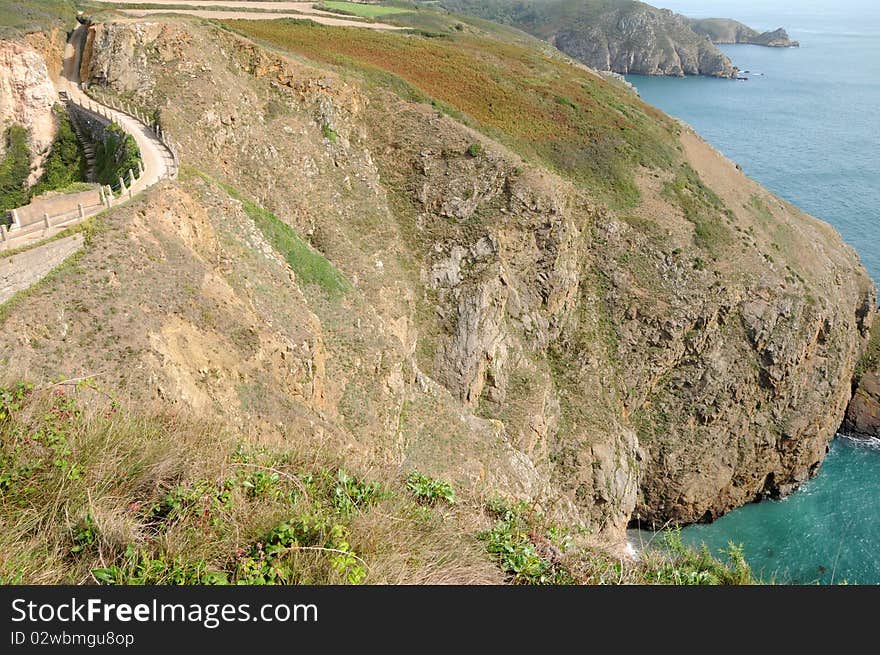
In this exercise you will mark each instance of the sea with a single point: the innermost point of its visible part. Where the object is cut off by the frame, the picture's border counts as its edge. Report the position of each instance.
(805, 124)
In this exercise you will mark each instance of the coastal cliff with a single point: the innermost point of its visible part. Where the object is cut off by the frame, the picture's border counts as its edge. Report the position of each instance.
(615, 357)
(642, 41)
(473, 261)
(622, 36)
(725, 30)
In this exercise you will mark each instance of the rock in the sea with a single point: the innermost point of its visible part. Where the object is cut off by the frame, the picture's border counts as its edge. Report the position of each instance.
(863, 413)
(724, 30)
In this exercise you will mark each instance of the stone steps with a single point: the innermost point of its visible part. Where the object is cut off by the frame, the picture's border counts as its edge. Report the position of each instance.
(85, 141)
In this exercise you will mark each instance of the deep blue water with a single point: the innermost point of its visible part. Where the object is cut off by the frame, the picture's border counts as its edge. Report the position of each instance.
(808, 128)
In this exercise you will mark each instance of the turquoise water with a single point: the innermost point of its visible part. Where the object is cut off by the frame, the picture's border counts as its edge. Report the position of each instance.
(808, 128)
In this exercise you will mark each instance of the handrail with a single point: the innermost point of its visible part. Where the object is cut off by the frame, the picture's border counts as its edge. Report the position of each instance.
(12, 236)
(141, 116)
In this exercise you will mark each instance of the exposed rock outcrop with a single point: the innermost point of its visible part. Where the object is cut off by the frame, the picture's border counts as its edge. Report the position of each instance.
(863, 413)
(27, 96)
(622, 36)
(643, 41)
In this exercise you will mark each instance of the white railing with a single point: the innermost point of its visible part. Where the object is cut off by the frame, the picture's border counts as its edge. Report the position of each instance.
(19, 234)
(139, 115)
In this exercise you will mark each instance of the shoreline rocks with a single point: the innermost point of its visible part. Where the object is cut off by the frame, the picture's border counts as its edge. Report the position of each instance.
(863, 413)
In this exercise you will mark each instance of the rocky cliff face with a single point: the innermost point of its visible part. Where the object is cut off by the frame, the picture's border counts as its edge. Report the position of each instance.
(723, 30)
(622, 36)
(27, 96)
(643, 41)
(502, 327)
(863, 413)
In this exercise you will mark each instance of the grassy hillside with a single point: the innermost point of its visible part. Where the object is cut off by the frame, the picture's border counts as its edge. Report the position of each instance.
(584, 127)
(92, 492)
(24, 16)
(542, 18)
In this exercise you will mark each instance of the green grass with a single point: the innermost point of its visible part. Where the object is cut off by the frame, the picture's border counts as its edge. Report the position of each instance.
(115, 156)
(531, 550)
(514, 541)
(95, 491)
(509, 90)
(65, 165)
(238, 515)
(75, 187)
(329, 133)
(25, 16)
(702, 207)
(428, 490)
(64, 168)
(870, 361)
(362, 10)
(14, 169)
(310, 266)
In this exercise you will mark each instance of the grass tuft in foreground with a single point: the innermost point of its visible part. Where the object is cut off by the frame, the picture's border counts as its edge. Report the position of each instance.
(92, 491)
(531, 550)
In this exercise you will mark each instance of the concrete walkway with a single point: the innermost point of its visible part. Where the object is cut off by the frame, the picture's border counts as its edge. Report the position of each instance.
(46, 217)
(157, 159)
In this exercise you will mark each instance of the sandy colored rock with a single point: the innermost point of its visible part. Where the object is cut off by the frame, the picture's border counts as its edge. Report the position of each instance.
(27, 96)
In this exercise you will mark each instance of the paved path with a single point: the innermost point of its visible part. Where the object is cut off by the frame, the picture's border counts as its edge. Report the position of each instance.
(66, 210)
(242, 10)
(157, 159)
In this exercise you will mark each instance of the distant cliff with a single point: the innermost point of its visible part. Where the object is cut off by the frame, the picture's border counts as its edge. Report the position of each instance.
(642, 40)
(622, 36)
(725, 30)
